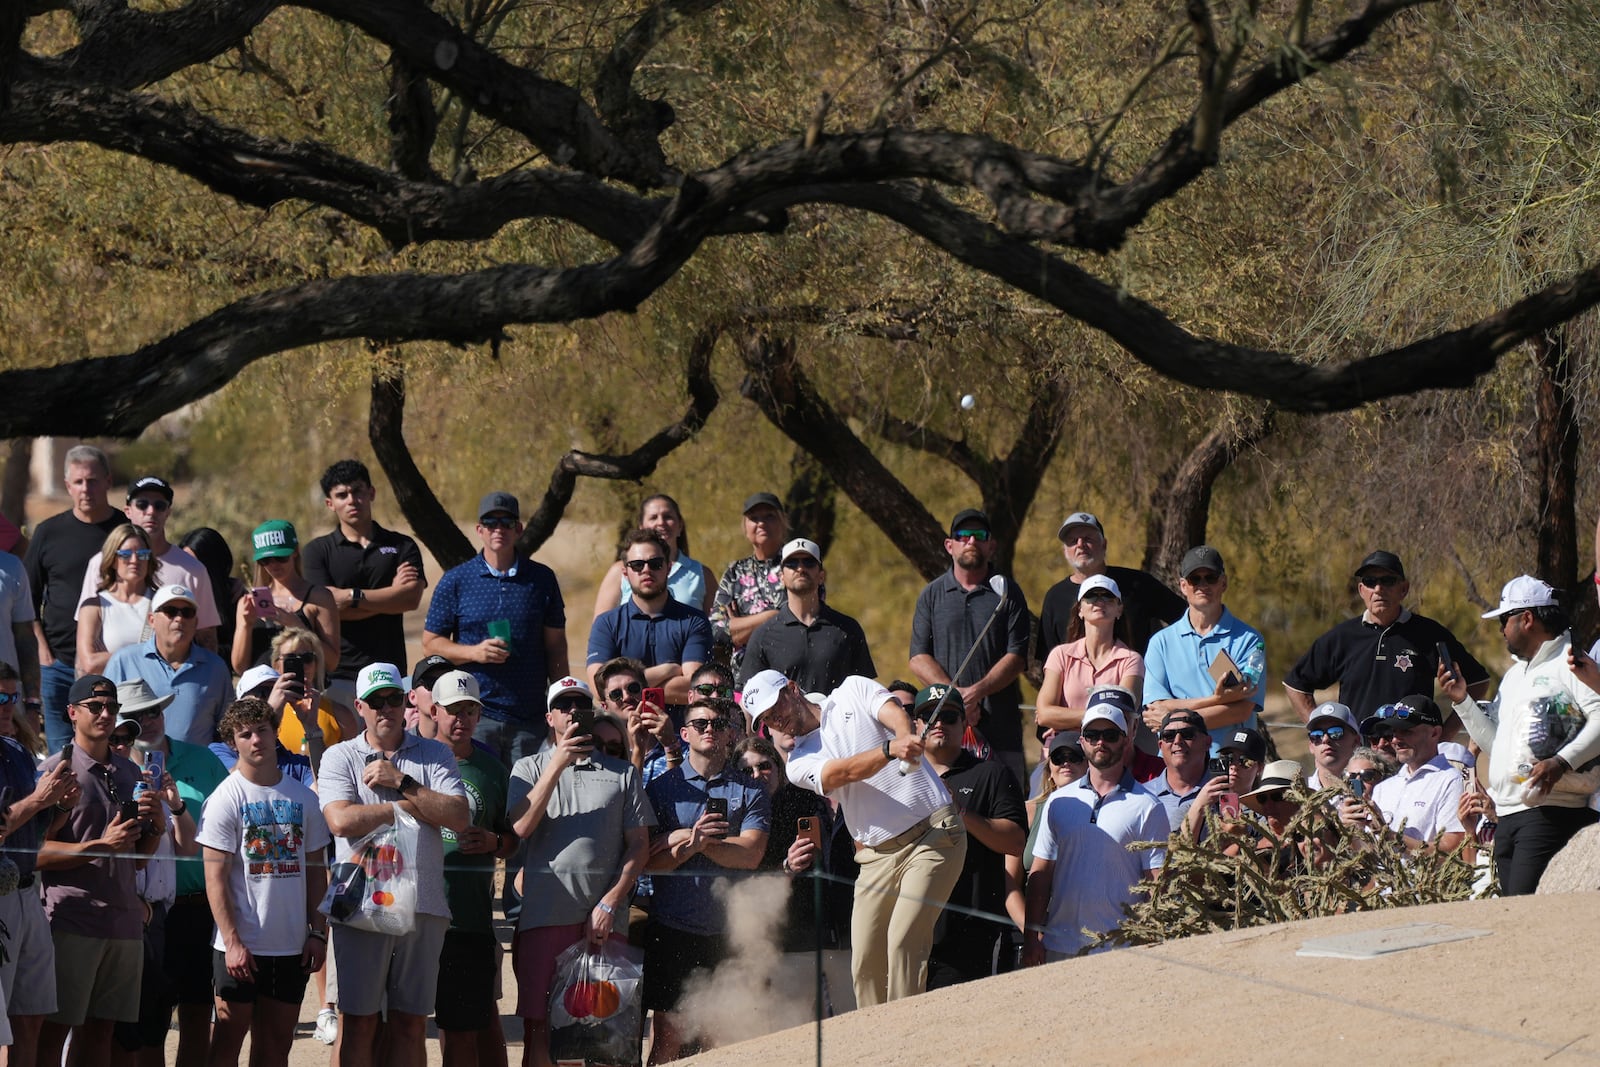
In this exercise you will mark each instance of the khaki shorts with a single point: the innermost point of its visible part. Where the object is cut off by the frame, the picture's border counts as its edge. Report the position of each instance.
(28, 969)
(405, 968)
(97, 979)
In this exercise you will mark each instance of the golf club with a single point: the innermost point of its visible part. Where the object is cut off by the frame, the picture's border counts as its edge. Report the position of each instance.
(998, 584)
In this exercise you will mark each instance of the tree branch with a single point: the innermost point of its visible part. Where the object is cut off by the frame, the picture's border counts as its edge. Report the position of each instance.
(1181, 504)
(426, 515)
(125, 47)
(635, 118)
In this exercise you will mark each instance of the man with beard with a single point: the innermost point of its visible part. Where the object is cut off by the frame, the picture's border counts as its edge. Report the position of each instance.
(670, 639)
(1083, 872)
(1147, 604)
(951, 612)
(807, 640)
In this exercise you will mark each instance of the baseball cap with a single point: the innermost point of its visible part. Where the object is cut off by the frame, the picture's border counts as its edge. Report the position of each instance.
(1410, 710)
(755, 500)
(149, 484)
(376, 676)
(929, 695)
(1078, 518)
(1100, 581)
(967, 518)
(498, 500)
(1185, 716)
(761, 692)
(1334, 711)
(1457, 753)
(91, 685)
(260, 674)
(1279, 774)
(168, 593)
(1382, 561)
(1066, 739)
(274, 539)
(1119, 697)
(1201, 557)
(455, 687)
(801, 545)
(1523, 592)
(1104, 713)
(569, 684)
(128, 722)
(428, 671)
(1247, 741)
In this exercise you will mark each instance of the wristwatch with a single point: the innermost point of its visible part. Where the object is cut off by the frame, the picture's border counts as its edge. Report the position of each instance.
(356, 596)
(886, 749)
(408, 783)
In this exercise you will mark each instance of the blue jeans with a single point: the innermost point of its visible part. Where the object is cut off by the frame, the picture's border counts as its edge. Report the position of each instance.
(55, 682)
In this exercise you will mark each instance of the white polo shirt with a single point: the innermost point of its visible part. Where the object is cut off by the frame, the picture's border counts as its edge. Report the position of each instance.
(1086, 836)
(1426, 802)
(885, 805)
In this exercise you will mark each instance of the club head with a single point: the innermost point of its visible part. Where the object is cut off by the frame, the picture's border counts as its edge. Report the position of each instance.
(998, 584)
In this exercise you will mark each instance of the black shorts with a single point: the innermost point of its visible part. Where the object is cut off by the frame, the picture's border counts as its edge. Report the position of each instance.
(465, 1000)
(670, 957)
(279, 977)
(188, 950)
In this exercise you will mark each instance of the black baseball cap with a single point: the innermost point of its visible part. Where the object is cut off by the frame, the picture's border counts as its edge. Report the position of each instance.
(1382, 561)
(1201, 557)
(967, 518)
(1186, 716)
(1243, 739)
(428, 671)
(499, 501)
(755, 500)
(91, 685)
(149, 484)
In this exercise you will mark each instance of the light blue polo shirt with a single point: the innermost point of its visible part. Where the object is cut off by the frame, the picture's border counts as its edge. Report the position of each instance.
(1178, 662)
(202, 688)
(1095, 874)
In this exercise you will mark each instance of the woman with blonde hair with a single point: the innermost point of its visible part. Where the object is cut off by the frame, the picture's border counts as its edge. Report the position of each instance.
(120, 609)
(336, 722)
(282, 599)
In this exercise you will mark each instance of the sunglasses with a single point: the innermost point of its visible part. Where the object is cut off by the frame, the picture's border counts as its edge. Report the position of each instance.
(759, 767)
(1186, 733)
(1097, 594)
(1060, 757)
(1402, 717)
(394, 700)
(98, 708)
(1277, 796)
(122, 739)
(946, 717)
(1373, 581)
(1103, 737)
(9, 698)
(1233, 759)
(498, 522)
(654, 563)
(1332, 735)
(710, 689)
(570, 706)
(707, 725)
(612, 748)
(140, 554)
(143, 504)
(632, 689)
(1508, 616)
(969, 535)
(186, 612)
(800, 563)
(1371, 776)
(1203, 578)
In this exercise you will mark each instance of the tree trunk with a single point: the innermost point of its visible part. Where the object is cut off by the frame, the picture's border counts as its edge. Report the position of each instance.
(14, 480)
(426, 515)
(811, 501)
(1180, 507)
(1556, 442)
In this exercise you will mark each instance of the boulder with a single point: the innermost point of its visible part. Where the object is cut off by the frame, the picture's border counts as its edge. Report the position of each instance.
(1576, 868)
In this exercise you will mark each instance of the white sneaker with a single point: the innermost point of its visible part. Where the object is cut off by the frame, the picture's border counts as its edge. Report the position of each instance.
(327, 1030)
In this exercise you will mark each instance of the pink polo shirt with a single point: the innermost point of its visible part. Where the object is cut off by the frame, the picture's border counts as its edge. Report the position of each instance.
(1078, 675)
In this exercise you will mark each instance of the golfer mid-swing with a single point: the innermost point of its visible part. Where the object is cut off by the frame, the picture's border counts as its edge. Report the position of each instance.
(912, 840)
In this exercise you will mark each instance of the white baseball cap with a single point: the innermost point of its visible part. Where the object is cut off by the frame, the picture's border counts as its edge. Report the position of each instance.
(1100, 581)
(569, 684)
(801, 545)
(1521, 593)
(168, 593)
(761, 692)
(454, 687)
(1104, 713)
(376, 676)
(258, 675)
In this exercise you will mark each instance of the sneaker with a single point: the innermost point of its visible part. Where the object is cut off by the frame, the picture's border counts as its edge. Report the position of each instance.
(327, 1030)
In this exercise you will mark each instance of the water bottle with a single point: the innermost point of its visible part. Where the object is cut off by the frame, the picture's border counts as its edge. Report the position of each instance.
(1255, 666)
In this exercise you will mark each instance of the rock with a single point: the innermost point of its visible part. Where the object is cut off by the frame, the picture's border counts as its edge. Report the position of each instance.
(1576, 868)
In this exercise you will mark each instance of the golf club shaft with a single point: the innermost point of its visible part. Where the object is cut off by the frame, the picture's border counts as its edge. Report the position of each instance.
(907, 766)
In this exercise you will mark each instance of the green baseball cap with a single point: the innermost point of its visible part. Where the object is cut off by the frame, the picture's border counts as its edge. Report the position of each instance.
(274, 539)
(376, 676)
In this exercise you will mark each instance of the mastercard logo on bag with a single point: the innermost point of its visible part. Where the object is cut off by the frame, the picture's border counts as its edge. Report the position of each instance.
(383, 898)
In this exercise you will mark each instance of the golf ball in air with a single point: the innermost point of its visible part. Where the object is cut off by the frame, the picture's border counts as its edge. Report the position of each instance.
(968, 402)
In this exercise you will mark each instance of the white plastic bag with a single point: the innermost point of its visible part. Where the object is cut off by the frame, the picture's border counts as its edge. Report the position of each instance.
(376, 888)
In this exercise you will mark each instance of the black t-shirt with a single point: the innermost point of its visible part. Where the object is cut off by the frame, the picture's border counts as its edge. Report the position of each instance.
(800, 930)
(61, 548)
(987, 788)
(1147, 605)
(335, 560)
(1376, 665)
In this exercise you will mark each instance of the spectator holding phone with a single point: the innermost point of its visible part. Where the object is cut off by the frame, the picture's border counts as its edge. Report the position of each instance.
(282, 599)
(1239, 757)
(587, 825)
(119, 610)
(297, 655)
(708, 816)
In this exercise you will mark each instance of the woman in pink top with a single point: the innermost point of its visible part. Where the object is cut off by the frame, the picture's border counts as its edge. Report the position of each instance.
(1095, 653)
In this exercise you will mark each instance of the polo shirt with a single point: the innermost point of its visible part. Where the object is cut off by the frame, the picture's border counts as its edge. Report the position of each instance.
(97, 898)
(1177, 663)
(60, 547)
(335, 560)
(1147, 605)
(818, 656)
(685, 899)
(198, 774)
(1177, 804)
(679, 634)
(201, 687)
(947, 621)
(989, 789)
(17, 774)
(1079, 676)
(1426, 802)
(575, 853)
(1086, 836)
(1377, 665)
(469, 597)
(433, 765)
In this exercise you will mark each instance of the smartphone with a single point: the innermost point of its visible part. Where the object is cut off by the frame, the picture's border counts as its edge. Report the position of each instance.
(655, 695)
(294, 665)
(808, 829)
(262, 595)
(583, 719)
(155, 767)
(717, 806)
(129, 810)
(1228, 805)
(1444, 659)
(374, 757)
(1358, 786)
